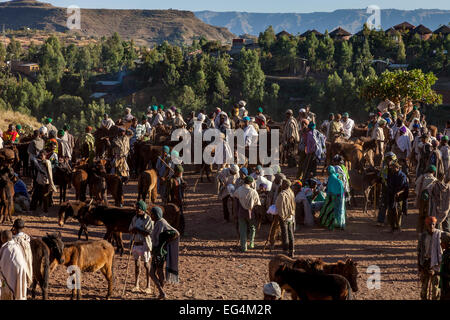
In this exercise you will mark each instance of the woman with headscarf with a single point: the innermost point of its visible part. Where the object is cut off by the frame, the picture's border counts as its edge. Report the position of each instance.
(165, 246)
(332, 214)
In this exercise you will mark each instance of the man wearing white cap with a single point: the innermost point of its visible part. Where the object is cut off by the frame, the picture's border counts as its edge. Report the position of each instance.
(242, 110)
(272, 291)
(128, 116)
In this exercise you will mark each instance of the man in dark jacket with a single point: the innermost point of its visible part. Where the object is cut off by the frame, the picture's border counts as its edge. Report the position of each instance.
(397, 196)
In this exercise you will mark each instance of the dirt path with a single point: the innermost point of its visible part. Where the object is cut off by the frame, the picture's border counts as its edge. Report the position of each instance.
(211, 266)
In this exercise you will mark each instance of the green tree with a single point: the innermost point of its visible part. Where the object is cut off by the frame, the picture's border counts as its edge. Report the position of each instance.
(325, 53)
(401, 52)
(343, 55)
(251, 76)
(221, 92)
(112, 53)
(52, 62)
(267, 38)
(13, 50)
(363, 59)
(402, 87)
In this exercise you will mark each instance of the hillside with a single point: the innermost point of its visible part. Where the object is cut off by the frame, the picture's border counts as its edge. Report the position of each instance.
(144, 26)
(8, 116)
(351, 20)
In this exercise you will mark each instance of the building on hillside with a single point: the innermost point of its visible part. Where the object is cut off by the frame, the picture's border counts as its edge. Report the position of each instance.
(249, 39)
(237, 45)
(29, 69)
(443, 31)
(340, 34)
(314, 31)
(283, 33)
(423, 32)
(393, 34)
(404, 27)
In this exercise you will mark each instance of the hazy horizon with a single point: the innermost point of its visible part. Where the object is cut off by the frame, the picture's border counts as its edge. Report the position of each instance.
(253, 6)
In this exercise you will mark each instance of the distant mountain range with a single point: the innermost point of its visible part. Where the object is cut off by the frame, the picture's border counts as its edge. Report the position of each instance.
(351, 20)
(143, 26)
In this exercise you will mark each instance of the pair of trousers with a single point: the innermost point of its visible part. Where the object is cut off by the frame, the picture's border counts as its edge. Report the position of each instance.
(383, 204)
(246, 224)
(395, 215)
(287, 236)
(425, 279)
(39, 196)
(226, 212)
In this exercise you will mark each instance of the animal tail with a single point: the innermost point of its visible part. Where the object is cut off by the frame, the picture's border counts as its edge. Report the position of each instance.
(182, 224)
(349, 290)
(46, 274)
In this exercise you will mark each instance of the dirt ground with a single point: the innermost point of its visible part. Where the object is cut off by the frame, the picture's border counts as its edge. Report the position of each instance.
(211, 266)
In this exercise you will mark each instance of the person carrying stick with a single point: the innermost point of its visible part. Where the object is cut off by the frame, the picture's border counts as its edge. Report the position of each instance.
(141, 227)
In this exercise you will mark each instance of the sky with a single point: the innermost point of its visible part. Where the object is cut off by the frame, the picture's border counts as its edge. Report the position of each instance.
(269, 6)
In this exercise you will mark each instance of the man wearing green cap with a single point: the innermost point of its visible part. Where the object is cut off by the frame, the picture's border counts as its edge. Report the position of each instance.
(246, 198)
(141, 227)
(158, 118)
(178, 121)
(48, 124)
(347, 125)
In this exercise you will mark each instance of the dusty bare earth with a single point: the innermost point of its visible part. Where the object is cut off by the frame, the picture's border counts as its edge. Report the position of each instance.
(211, 266)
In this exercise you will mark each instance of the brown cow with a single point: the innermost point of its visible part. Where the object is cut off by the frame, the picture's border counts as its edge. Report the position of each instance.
(80, 182)
(88, 256)
(347, 269)
(114, 187)
(43, 251)
(363, 183)
(147, 185)
(305, 285)
(6, 196)
(145, 154)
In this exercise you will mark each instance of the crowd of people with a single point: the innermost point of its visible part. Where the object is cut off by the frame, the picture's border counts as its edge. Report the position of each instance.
(405, 150)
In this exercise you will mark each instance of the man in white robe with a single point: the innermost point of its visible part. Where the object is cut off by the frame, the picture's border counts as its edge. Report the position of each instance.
(13, 269)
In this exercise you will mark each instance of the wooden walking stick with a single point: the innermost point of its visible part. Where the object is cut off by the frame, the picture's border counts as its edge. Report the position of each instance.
(128, 264)
(268, 237)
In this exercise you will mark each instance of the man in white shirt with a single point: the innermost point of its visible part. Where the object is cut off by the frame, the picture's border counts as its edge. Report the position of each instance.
(402, 148)
(250, 134)
(107, 122)
(378, 136)
(348, 125)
